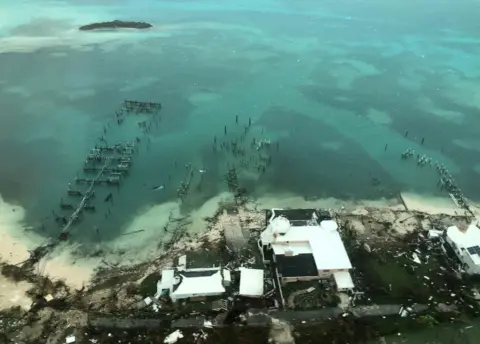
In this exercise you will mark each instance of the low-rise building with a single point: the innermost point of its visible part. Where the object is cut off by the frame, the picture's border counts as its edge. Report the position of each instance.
(251, 282)
(304, 246)
(465, 243)
(193, 283)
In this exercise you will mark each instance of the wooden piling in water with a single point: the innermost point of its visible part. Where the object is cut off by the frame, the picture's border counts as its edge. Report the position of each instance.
(80, 206)
(403, 201)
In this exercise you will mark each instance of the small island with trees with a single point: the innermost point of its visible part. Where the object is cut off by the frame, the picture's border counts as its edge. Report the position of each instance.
(116, 24)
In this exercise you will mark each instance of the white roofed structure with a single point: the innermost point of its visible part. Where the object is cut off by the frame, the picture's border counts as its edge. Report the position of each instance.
(292, 248)
(194, 282)
(467, 237)
(251, 282)
(304, 249)
(277, 226)
(195, 286)
(166, 282)
(322, 241)
(465, 242)
(343, 280)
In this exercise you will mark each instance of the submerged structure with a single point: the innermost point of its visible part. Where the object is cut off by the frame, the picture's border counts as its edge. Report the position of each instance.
(110, 164)
(303, 246)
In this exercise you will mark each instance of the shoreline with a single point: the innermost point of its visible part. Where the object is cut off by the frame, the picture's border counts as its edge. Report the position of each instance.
(77, 264)
(123, 290)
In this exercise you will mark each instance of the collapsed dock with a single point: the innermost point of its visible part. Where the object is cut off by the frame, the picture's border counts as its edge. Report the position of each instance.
(109, 163)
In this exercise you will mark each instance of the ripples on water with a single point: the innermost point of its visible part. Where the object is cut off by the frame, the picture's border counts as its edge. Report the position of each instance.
(332, 83)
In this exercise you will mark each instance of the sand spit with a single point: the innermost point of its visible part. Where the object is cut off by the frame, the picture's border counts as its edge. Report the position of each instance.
(71, 37)
(15, 240)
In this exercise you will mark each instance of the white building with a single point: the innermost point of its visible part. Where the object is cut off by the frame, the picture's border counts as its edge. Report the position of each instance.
(193, 283)
(465, 242)
(251, 282)
(306, 250)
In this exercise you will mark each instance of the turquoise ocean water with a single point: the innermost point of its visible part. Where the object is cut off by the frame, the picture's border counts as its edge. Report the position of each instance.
(332, 82)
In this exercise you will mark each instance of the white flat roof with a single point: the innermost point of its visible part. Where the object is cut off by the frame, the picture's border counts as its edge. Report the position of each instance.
(329, 252)
(227, 276)
(295, 247)
(298, 233)
(466, 240)
(343, 279)
(470, 237)
(325, 245)
(167, 280)
(323, 241)
(329, 224)
(182, 261)
(199, 286)
(251, 282)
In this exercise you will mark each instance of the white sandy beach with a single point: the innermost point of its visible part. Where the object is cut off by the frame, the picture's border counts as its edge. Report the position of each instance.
(14, 294)
(66, 263)
(436, 205)
(15, 241)
(14, 246)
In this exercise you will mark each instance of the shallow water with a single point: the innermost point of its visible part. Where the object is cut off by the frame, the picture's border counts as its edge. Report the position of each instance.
(332, 83)
(333, 89)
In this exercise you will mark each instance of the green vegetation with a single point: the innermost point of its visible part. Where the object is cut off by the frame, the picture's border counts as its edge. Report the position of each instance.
(427, 320)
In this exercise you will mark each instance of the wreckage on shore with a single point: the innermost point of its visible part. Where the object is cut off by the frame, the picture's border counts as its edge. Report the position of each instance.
(405, 280)
(280, 275)
(350, 275)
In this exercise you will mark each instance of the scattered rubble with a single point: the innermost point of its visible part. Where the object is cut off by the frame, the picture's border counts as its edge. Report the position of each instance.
(402, 275)
(281, 332)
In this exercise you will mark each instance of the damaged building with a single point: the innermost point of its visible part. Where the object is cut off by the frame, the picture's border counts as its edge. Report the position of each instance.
(251, 283)
(464, 242)
(303, 245)
(197, 283)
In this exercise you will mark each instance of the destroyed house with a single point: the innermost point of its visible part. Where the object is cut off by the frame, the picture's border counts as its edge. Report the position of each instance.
(305, 249)
(193, 283)
(465, 243)
(297, 216)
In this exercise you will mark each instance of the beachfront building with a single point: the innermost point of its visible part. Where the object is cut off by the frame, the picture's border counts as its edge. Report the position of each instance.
(251, 282)
(465, 243)
(304, 246)
(193, 283)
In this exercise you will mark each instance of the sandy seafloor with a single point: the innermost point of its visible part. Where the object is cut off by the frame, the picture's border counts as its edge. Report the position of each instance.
(332, 83)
